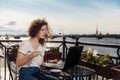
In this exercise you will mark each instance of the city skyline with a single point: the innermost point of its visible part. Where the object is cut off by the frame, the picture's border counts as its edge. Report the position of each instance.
(68, 16)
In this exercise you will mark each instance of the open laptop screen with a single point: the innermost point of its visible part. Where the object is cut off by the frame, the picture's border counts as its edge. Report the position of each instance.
(73, 57)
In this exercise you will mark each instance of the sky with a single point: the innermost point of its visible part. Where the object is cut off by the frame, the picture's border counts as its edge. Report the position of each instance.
(63, 16)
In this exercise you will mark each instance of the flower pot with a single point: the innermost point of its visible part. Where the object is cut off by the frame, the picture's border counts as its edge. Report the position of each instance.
(49, 55)
(104, 71)
(116, 72)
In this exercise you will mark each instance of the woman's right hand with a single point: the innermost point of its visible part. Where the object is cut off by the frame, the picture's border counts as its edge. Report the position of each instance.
(34, 54)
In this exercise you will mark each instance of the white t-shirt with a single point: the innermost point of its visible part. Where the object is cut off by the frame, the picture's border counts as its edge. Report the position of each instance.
(26, 48)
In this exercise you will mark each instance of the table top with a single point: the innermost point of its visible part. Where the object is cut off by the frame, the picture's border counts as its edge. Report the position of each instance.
(77, 71)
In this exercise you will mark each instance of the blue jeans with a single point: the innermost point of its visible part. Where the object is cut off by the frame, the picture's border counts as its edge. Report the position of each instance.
(33, 73)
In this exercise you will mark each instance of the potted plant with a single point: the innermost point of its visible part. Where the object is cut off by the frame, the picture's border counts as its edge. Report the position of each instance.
(92, 57)
(100, 63)
(54, 49)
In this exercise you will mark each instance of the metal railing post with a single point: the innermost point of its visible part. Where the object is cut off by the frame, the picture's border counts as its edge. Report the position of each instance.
(64, 48)
(77, 43)
(5, 59)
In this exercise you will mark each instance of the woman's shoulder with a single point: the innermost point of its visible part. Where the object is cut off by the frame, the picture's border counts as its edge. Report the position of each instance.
(25, 41)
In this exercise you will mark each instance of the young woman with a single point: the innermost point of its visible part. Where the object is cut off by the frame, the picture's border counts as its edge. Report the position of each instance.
(31, 52)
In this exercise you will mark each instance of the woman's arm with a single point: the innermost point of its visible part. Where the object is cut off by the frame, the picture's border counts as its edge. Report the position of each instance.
(22, 59)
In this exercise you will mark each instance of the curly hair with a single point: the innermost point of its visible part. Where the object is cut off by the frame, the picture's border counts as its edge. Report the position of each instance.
(36, 26)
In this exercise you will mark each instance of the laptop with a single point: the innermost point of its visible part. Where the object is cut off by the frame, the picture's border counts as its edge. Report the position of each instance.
(72, 59)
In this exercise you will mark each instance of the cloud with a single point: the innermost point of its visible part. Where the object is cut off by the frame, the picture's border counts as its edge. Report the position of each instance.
(6, 29)
(1, 27)
(12, 23)
(78, 17)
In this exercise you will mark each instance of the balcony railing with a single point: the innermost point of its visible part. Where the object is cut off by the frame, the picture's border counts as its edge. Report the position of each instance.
(63, 47)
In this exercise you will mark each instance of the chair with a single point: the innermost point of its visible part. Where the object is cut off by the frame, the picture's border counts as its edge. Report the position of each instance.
(11, 58)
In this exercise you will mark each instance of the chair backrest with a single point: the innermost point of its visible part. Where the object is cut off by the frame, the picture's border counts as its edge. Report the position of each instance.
(73, 57)
(11, 59)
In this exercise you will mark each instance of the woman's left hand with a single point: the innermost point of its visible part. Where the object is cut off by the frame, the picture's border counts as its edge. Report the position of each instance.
(43, 64)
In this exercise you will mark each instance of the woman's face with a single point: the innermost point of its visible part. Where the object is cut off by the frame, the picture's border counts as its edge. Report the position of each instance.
(42, 32)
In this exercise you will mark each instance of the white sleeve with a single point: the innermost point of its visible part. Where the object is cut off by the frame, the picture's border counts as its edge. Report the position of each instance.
(22, 47)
